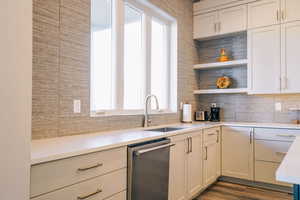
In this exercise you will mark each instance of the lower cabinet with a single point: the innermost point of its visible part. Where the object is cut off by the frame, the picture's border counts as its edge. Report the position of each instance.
(237, 152)
(211, 157)
(271, 146)
(186, 166)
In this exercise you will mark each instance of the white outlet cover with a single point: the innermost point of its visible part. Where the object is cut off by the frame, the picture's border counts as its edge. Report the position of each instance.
(77, 106)
(278, 107)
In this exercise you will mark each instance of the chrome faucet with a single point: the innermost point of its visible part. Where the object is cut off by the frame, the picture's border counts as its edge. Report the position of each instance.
(147, 121)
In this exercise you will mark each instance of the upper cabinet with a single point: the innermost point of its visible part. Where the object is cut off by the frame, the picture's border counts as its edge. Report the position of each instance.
(205, 25)
(264, 60)
(290, 70)
(233, 19)
(290, 10)
(221, 22)
(263, 13)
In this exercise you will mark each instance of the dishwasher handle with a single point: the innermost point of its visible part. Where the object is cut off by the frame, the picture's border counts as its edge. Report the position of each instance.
(139, 152)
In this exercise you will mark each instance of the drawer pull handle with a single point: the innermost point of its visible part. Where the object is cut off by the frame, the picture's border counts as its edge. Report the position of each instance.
(210, 134)
(90, 167)
(281, 153)
(89, 195)
(289, 136)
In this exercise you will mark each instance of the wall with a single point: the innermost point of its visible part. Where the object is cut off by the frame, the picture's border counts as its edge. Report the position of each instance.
(61, 68)
(15, 87)
(239, 107)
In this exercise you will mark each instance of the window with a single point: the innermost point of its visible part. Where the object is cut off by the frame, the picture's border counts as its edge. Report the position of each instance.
(133, 54)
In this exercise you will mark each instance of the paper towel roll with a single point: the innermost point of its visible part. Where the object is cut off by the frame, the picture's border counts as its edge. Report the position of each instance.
(187, 113)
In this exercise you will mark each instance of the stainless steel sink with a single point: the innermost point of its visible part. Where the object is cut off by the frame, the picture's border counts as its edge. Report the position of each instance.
(166, 129)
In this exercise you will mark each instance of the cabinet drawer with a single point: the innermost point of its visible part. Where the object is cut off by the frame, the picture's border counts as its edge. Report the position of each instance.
(273, 151)
(276, 134)
(94, 189)
(119, 196)
(211, 134)
(50, 176)
(266, 172)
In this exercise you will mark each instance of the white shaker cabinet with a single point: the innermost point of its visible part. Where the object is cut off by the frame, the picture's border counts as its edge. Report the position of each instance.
(290, 62)
(237, 152)
(178, 168)
(195, 162)
(186, 166)
(211, 156)
(290, 10)
(205, 25)
(263, 13)
(225, 21)
(264, 60)
(233, 19)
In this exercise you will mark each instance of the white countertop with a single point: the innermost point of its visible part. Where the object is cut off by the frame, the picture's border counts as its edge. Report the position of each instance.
(289, 169)
(46, 150)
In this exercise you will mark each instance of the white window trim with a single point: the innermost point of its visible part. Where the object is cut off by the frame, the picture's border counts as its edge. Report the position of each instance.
(118, 7)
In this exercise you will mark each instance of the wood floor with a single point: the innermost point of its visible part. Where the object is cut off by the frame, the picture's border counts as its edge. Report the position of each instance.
(229, 191)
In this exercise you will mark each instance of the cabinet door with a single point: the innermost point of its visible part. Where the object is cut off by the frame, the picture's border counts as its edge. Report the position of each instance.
(238, 164)
(195, 177)
(290, 57)
(263, 13)
(290, 10)
(233, 19)
(210, 163)
(264, 60)
(205, 25)
(178, 168)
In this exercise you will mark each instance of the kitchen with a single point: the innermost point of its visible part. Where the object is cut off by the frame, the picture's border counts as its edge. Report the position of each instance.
(150, 99)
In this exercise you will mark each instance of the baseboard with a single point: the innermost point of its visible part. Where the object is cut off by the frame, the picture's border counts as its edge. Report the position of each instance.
(257, 184)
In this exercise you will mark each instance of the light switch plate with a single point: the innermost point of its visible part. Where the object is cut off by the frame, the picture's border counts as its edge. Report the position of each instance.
(278, 107)
(77, 106)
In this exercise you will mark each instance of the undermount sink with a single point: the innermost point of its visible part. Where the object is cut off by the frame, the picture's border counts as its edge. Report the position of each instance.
(166, 129)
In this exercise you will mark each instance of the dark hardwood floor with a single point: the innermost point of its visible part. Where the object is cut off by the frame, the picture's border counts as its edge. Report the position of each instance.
(229, 191)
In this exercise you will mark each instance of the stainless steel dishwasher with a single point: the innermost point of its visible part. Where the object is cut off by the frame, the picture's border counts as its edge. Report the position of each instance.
(148, 170)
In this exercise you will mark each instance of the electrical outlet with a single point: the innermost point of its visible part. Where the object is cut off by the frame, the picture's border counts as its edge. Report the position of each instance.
(213, 105)
(278, 107)
(77, 106)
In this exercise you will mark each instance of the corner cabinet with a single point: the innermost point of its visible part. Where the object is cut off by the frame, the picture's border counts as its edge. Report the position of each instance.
(186, 166)
(237, 152)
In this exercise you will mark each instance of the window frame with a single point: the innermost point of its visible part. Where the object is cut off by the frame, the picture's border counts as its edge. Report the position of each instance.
(118, 22)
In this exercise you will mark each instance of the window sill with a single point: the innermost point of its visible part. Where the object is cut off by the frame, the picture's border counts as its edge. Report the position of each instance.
(130, 113)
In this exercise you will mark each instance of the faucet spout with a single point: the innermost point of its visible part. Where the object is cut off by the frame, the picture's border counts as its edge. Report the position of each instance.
(147, 121)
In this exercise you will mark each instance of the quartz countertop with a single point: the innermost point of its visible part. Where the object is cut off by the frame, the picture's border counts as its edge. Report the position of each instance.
(289, 169)
(46, 150)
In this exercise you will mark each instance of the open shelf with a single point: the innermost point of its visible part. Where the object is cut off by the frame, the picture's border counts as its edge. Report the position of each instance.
(233, 63)
(222, 91)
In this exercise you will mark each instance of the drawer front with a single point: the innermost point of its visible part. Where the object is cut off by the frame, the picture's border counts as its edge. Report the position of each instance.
(211, 134)
(276, 134)
(273, 151)
(55, 175)
(94, 189)
(119, 196)
(266, 172)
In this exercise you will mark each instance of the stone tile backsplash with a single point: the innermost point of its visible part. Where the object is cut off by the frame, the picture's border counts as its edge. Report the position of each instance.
(61, 68)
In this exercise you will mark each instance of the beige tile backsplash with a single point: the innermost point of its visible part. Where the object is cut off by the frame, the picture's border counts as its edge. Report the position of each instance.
(61, 69)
